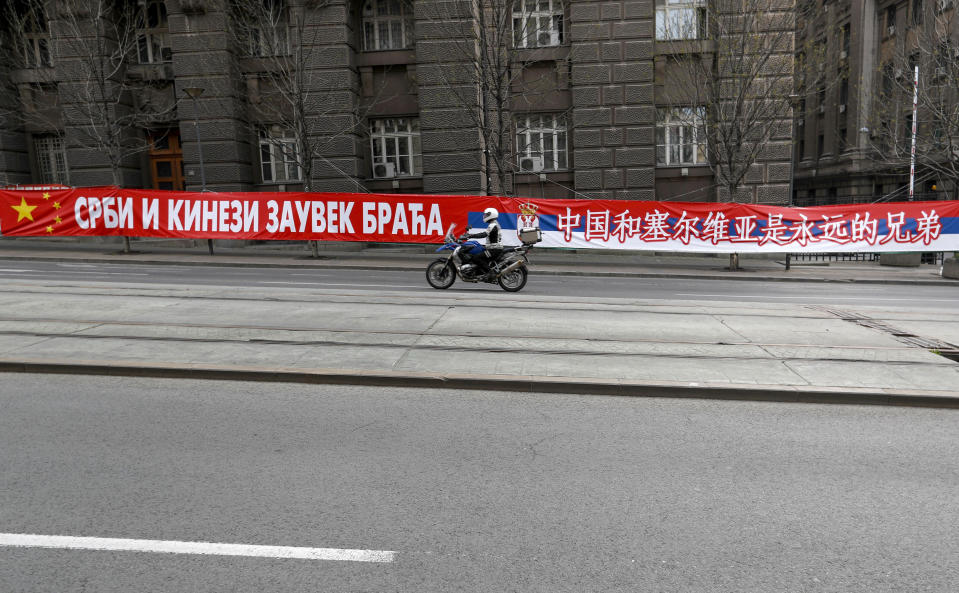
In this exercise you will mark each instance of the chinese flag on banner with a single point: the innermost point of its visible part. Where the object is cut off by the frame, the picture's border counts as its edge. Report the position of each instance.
(35, 212)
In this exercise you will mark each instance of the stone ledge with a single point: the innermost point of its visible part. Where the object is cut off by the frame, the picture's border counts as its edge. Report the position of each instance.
(903, 260)
(950, 268)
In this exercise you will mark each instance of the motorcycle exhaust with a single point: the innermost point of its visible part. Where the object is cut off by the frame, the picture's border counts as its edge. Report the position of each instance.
(510, 268)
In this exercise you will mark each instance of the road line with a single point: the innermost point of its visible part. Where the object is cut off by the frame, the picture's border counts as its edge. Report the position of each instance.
(17, 270)
(343, 284)
(856, 298)
(64, 542)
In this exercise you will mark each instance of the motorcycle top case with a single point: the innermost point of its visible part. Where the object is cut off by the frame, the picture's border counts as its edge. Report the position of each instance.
(530, 235)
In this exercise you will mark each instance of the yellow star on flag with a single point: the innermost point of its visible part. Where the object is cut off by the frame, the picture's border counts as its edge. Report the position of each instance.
(56, 205)
(49, 229)
(58, 220)
(46, 196)
(24, 210)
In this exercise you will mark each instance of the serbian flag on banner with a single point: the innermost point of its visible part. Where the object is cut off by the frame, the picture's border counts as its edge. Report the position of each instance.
(702, 227)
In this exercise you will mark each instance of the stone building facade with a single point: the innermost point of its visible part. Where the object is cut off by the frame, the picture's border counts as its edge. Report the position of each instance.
(854, 115)
(390, 101)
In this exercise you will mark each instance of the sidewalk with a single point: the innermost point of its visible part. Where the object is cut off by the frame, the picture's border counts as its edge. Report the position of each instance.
(513, 342)
(415, 257)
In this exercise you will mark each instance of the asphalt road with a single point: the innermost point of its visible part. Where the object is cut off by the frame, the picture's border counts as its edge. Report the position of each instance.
(472, 491)
(415, 281)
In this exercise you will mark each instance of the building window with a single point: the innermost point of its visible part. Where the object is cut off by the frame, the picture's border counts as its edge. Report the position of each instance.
(36, 39)
(279, 155)
(153, 46)
(916, 12)
(681, 136)
(538, 23)
(386, 24)
(395, 147)
(51, 159)
(541, 142)
(891, 20)
(846, 41)
(680, 19)
(269, 30)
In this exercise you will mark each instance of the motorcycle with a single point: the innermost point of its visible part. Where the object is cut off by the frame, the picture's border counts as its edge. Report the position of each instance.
(507, 266)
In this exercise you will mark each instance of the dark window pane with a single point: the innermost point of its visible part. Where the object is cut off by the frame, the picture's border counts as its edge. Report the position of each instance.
(164, 169)
(165, 185)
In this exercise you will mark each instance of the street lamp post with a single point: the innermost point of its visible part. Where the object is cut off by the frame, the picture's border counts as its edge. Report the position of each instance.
(194, 93)
(794, 103)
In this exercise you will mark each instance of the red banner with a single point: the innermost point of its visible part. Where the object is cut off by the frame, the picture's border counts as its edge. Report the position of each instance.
(602, 224)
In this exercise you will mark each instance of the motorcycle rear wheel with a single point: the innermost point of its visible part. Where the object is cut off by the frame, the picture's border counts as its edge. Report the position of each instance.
(513, 281)
(440, 274)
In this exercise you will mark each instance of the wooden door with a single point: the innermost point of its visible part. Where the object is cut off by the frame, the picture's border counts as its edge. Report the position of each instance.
(166, 160)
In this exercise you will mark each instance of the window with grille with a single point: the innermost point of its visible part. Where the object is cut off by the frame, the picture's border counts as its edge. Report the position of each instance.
(35, 42)
(51, 159)
(541, 142)
(681, 136)
(395, 147)
(153, 46)
(680, 19)
(279, 155)
(538, 23)
(386, 24)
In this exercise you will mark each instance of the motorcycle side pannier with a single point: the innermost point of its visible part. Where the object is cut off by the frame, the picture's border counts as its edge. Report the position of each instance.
(530, 235)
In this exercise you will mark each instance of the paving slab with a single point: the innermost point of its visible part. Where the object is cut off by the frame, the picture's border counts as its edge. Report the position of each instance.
(617, 346)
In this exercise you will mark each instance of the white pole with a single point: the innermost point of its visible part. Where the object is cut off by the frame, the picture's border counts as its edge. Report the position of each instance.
(915, 104)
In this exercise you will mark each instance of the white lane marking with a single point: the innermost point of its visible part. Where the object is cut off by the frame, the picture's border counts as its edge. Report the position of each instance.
(17, 270)
(65, 542)
(91, 273)
(344, 284)
(856, 298)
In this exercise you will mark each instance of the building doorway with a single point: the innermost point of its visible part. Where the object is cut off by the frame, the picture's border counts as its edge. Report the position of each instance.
(166, 159)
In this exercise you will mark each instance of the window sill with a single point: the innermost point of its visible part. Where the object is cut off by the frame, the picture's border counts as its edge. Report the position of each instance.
(385, 57)
(555, 175)
(670, 171)
(159, 71)
(542, 54)
(668, 47)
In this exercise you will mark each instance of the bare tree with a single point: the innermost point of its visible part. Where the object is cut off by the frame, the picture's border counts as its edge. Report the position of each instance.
(95, 41)
(25, 44)
(290, 89)
(490, 81)
(932, 47)
(732, 93)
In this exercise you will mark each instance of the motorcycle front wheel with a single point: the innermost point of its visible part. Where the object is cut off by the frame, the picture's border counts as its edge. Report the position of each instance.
(513, 281)
(440, 274)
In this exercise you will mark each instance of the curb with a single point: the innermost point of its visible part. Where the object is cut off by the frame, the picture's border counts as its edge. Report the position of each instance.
(514, 384)
(325, 264)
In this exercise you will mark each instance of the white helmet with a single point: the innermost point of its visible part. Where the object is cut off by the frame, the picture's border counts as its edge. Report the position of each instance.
(490, 214)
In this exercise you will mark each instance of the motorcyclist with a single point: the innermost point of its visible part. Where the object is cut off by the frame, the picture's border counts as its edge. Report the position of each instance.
(492, 234)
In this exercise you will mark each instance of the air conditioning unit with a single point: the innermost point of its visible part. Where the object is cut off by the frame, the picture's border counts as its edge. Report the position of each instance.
(384, 170)
(898, 73)
(822, 109)
(955, 52)
(842, 108)
(941, 72)
(843, 55)
(891, 30)
(531, 164)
